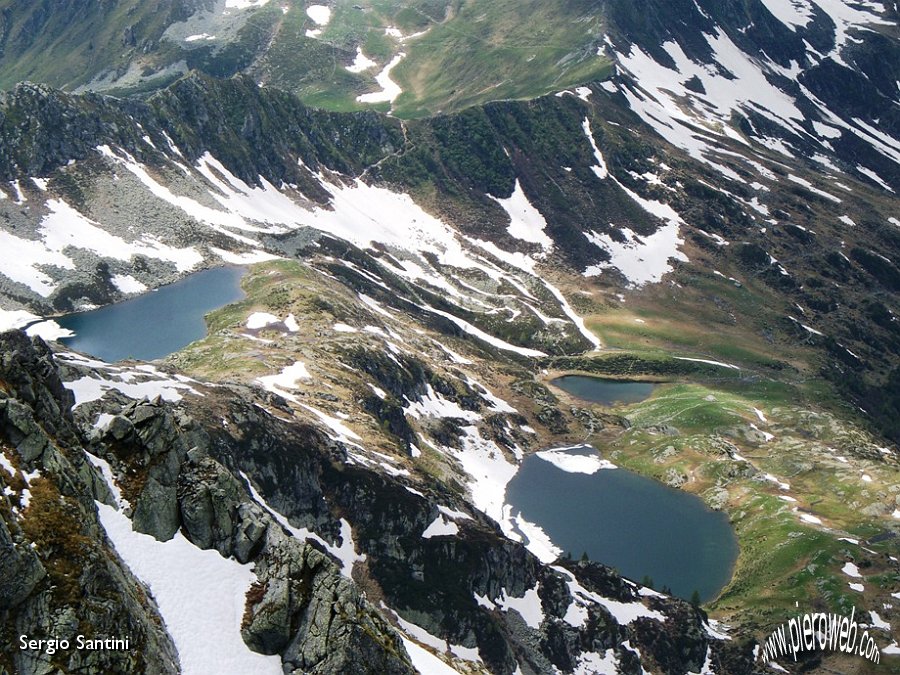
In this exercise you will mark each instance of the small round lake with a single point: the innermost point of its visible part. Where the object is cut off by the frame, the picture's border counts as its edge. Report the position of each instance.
(155, 324)
(602, 390)
(635, 524)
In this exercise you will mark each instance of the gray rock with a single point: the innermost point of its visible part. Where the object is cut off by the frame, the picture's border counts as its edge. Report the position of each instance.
(674, 478)
(119, 428)
(208, 497)
(303, 608)
(876, 510)
(664, 454)
(664, 429)
(156, 512)
(717, 497)
(20, 568)
(249, 532)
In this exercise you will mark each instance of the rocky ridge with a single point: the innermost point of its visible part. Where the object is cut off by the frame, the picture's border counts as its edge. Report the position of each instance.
(201, 159)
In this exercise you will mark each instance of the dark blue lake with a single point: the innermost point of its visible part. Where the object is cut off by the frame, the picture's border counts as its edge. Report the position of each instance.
(635, 524)
(604, 391)
(157, 323)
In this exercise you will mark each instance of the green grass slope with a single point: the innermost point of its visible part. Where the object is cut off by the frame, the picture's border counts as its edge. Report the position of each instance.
(457, 53)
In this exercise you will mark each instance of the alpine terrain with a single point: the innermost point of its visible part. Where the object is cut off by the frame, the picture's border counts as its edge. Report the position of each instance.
(436, 210)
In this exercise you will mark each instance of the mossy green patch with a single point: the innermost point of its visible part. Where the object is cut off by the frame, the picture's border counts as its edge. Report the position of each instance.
(717, 447)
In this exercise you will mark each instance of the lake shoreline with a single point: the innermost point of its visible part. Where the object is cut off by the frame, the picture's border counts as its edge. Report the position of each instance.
(154, 324)
(601, 517)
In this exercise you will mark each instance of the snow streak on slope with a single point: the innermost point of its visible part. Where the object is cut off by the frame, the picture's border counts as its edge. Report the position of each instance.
(599, 168)
(695, 102)
(389, 89)
(64, 227)
(369, 216)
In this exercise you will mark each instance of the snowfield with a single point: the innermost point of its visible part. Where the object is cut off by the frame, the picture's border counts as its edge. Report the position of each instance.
(200, 595)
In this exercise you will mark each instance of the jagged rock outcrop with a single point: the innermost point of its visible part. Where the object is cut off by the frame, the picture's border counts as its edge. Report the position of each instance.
(337, 630)
(58, 574)
(301, 608)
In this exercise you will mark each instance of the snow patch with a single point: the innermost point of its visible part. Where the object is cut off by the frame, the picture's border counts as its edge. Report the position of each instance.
(200, 595)
(424, 661)
(390, 90)
(878, 622)
(642, 259)
(361, 62)
(128, 284)
(623, 612)
(851, 570)
(454, 357)
(528, 606)
(48, 330)
(440, 527)
(320, 14)
(586, 464)
(286, 380)
(259, 320)
(432, 404)
(526, 222)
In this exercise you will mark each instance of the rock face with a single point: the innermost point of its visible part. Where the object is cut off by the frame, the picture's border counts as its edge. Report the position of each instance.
(58, 574)
(338, 549)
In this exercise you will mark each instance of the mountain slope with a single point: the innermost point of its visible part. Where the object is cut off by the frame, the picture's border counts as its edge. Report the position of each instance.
(719, 216)
(450, 54)
(598, 212)
(811, 80)
(266, 489)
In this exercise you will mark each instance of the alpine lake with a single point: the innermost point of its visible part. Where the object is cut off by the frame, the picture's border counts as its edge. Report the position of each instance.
(155, 324)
